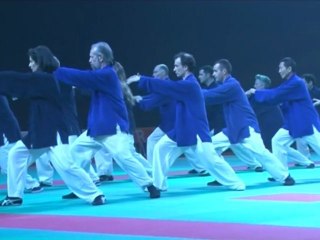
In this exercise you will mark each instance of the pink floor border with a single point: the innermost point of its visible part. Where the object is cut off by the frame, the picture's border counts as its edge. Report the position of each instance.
(157, 228)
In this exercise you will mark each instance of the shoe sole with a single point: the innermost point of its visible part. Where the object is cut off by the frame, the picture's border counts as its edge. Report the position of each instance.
(9, 203)
(13, 205)
(101, 201)
(33, 191)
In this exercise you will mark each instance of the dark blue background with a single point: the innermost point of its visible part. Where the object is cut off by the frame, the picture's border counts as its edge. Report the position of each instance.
(253, 35)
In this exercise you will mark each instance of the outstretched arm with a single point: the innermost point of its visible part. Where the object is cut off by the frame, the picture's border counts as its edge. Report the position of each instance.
(25, 85)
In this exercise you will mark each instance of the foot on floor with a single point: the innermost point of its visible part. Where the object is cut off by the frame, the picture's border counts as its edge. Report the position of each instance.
(99, 200)
(154, 192)
(70, 196)
(289, 181)
(34, 189)
(106, 178)
(214, 183)
(11, 201)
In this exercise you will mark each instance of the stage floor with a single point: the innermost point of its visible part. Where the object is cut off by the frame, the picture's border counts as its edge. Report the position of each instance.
(188, 210)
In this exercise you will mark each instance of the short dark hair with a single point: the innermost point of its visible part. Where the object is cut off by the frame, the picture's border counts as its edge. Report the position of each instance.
(43, 56)
(225, 64)
(207, 69)
(186, 60)
(289, 62)
(310, 78)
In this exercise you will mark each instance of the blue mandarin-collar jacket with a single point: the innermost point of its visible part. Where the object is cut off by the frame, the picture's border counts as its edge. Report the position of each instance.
(190, 114)
(69, 111)
(215, 113)
(9, 126)
(107, 107)
(167, 109)
(299, 113)
(238, 114)
(45, 114)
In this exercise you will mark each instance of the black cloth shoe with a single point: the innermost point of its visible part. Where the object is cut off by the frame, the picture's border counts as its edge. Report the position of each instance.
(11, 201)
(99, 200)
(70, 196)
(45, 184)
(154, 192)
(204, 173)
(214, 183)
(311, 165)
(34, 190)
(289, 181)
(192, 171)
(271, 179)
(258, 169)
(97, 183)
(106, 178)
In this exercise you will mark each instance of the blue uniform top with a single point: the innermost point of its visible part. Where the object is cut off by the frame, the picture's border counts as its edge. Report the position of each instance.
(45, 114)
(132, 122)
(270, 119)
(167, 108)
(238, 113)
(190, 114)
(107, 107)
(69, 110)
(299, 113)
(215, 114)
(8, 123)
(315, 93)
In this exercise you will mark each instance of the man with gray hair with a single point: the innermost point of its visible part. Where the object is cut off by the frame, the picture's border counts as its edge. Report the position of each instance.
(161, 71)
(108, 119)
(269, 116)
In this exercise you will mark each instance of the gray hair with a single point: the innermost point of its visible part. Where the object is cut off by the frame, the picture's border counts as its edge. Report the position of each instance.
(105, 50)
(265, 79)
(163, 67)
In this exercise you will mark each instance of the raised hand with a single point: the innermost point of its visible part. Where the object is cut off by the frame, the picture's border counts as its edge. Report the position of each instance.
(250, 91)
(132, 79)
(316, 102)
(137, 98)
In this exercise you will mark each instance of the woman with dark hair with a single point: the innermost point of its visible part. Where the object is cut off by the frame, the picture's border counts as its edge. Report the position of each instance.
(42, 60)
(46, 119)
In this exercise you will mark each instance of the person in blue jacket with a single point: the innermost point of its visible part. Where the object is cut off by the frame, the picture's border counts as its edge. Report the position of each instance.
(108, 126)
(167, 108)
(314, 91)
(103, 159)
(215, 113)
(190, 132)
(242, 133)
(45, 121)
(270, 118)
(300, 119)
(9, 132)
